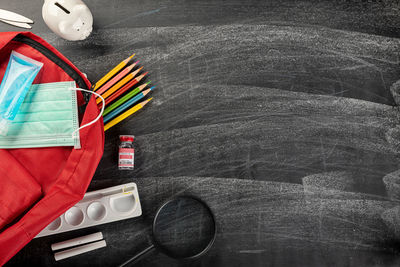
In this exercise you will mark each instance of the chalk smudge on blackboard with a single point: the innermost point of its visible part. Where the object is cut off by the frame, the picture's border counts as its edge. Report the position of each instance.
(133, 16)
(287, 57)
(289, 216)
(392, 184)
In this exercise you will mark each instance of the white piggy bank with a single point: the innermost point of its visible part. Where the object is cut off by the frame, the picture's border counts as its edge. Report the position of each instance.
(70, 19)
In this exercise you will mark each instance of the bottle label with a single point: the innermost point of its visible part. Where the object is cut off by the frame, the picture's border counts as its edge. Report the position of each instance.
(126, 158)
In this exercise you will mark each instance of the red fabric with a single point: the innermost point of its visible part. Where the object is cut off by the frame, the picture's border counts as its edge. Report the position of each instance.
(39, 184)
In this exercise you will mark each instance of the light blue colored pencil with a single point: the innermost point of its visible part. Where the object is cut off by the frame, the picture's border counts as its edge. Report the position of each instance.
(126, 105)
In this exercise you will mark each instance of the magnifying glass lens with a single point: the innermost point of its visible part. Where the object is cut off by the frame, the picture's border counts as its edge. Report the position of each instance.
(184, 228)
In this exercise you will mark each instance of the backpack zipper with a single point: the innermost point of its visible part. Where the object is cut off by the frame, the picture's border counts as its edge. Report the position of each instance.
(54, 58)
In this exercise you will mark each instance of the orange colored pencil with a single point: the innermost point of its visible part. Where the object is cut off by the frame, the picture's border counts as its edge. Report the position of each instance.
(125, 88)
(112, 72)
(116, 78)
(119, 84)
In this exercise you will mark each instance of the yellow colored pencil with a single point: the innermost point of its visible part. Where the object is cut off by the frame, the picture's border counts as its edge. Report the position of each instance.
(126, 114)
(112, 73)
(118, 85)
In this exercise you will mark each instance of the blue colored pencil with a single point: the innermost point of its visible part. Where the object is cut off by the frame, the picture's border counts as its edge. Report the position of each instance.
(126, 105)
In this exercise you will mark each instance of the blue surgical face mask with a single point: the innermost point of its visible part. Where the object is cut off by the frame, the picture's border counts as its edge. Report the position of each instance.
(47, 117)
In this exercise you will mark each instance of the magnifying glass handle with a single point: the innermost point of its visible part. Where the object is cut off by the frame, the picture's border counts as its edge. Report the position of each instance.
(138, 256)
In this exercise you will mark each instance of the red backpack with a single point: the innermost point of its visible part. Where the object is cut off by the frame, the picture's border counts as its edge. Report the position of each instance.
(37, 185)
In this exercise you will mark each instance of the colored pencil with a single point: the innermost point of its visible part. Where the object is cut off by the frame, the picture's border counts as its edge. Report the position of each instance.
(126, 114)
(124, 98)
(119, 84)
(126, 105)
(122, 90)
(112, 73)
(116, 78)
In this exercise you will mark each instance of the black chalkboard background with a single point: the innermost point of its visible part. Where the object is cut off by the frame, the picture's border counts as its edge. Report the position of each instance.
(281, 115)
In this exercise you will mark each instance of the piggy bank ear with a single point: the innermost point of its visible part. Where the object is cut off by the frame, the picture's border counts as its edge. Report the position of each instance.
(63, 26)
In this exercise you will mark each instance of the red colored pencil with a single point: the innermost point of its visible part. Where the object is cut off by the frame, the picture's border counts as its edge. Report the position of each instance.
(119, 85)
(123, 89)
(116, 78)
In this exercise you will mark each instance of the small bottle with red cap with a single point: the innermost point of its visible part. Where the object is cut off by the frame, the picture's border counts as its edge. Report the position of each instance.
(126, 157)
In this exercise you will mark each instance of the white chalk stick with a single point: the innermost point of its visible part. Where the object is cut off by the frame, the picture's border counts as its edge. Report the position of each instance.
(77, 241)
(79, 250)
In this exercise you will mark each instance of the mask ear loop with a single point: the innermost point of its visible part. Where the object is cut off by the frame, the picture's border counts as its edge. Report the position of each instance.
(98, 117)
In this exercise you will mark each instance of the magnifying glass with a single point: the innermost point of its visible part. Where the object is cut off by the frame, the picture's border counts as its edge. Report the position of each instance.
(183, 228)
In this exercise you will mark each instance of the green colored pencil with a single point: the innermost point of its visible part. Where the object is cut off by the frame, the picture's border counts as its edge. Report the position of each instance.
(124, 98)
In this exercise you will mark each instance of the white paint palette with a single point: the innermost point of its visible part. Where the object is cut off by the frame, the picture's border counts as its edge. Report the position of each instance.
(98, 207)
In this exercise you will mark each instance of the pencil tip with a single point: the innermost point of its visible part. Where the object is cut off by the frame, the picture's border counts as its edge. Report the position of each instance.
(148, 82)
(141, 68)
(151, 88)
(136, 62)
(144, 74)
(128, 58)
